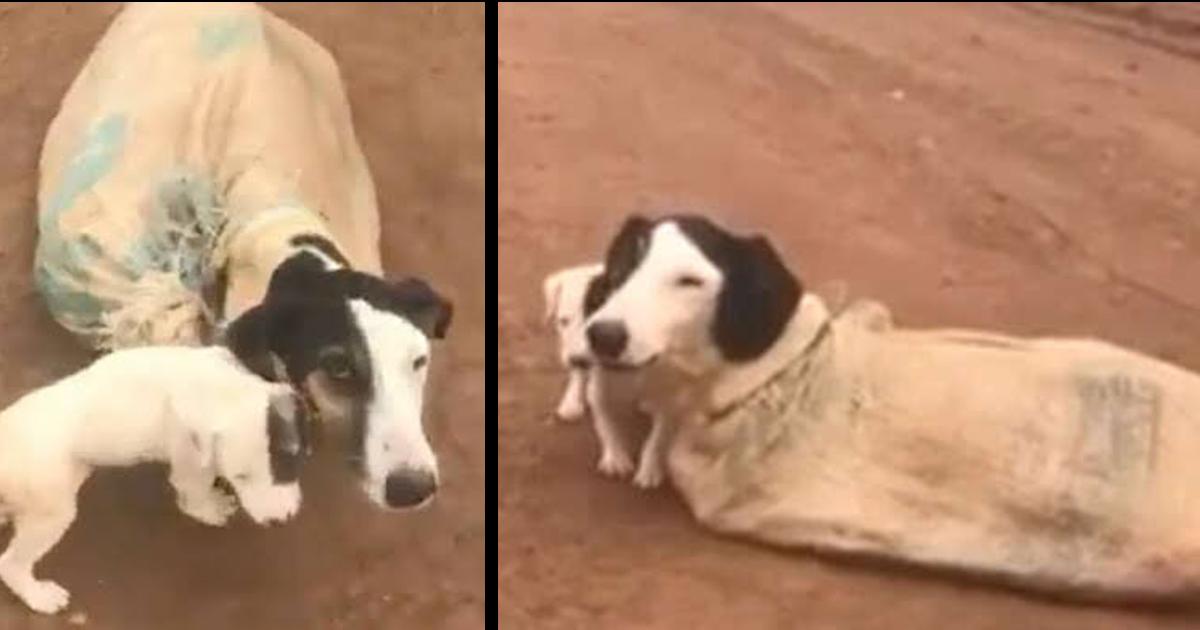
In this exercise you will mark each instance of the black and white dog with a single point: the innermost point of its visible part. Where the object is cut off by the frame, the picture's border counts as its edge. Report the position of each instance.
(685, 287)
(357, 348)
(689, 299)
(203, 173)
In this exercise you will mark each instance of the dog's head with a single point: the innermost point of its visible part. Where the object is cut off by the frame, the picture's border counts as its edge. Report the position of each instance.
(357, 347)
(258, 451)
(684, 287)
(571, 295)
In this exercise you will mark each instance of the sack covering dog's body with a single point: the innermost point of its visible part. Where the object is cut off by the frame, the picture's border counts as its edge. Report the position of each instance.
(190, 129)
(1062, 464)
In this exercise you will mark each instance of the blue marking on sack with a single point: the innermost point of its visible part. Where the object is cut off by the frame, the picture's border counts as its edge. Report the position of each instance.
(77, 310)
(87, 167)
(222, 34)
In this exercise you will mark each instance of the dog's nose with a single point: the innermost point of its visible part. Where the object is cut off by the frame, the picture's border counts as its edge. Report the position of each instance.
(579, 362)
(408, 488)
(608, 338)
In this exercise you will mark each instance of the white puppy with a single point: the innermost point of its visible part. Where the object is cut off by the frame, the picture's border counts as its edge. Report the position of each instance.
(565, 292)
(195, 408)
(571, 295)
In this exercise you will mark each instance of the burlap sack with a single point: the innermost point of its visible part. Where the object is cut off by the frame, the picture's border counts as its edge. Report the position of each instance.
(186, 123)
(1070, 465)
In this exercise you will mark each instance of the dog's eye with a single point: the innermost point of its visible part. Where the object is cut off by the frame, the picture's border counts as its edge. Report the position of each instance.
(688, 280)
(336, 364)
(420, 362)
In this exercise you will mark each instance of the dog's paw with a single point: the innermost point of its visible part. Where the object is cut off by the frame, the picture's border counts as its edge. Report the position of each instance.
(615, 464)
(215, 508)
(45, 596)
(648, 476)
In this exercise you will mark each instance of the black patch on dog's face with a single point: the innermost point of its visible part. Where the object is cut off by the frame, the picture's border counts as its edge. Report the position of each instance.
(321, 244)
(626, 251)
(285, 441)
(758, 294)
(596, 294)
(305, 321)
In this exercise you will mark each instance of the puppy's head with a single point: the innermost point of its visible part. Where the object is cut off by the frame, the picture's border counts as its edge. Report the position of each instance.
(259, 452)
(684, 287)
(570, 296)
(357, 347)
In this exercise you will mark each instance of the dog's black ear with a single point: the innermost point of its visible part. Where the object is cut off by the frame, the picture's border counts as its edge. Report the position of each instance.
(295, 276)
(626, 250)
(252, 337)
(423, 306)
(757, 299)
(248, 337)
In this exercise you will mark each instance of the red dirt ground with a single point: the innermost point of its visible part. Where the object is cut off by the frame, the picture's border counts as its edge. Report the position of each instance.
(1030, 169)
(415, 78)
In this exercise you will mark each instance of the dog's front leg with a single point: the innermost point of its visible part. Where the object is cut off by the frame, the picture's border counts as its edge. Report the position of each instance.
(35, 534)
(651, 467)
(197, 497)
(614, 458)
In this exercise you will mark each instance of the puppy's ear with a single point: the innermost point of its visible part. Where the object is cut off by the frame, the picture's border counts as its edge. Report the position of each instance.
(423, 306)
(287, 435)
(551, 292)
(203, 448)
(627, 249)
(756, 301)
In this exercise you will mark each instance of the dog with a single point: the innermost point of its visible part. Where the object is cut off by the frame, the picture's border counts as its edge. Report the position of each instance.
(834, 429)
(196, 409)
(689, 299)
(202, 182)
(571, 295)
(357, 349)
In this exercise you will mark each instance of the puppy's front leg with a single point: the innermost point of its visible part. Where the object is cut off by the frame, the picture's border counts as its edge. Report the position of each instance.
(571, 407)
(614, 458)
(650, 470)
(198, 498)
(35, 534)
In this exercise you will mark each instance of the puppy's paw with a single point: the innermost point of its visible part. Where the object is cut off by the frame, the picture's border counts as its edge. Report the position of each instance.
(649, 475)
(615, 464)
(214, 508)
(569, 411)
(45, 596)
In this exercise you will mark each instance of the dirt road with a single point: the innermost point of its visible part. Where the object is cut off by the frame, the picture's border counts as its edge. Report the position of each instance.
(415, 80)
(1030, 169)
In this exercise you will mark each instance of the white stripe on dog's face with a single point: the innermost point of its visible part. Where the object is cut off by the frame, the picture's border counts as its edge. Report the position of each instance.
(399, 465)
(665, 305)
